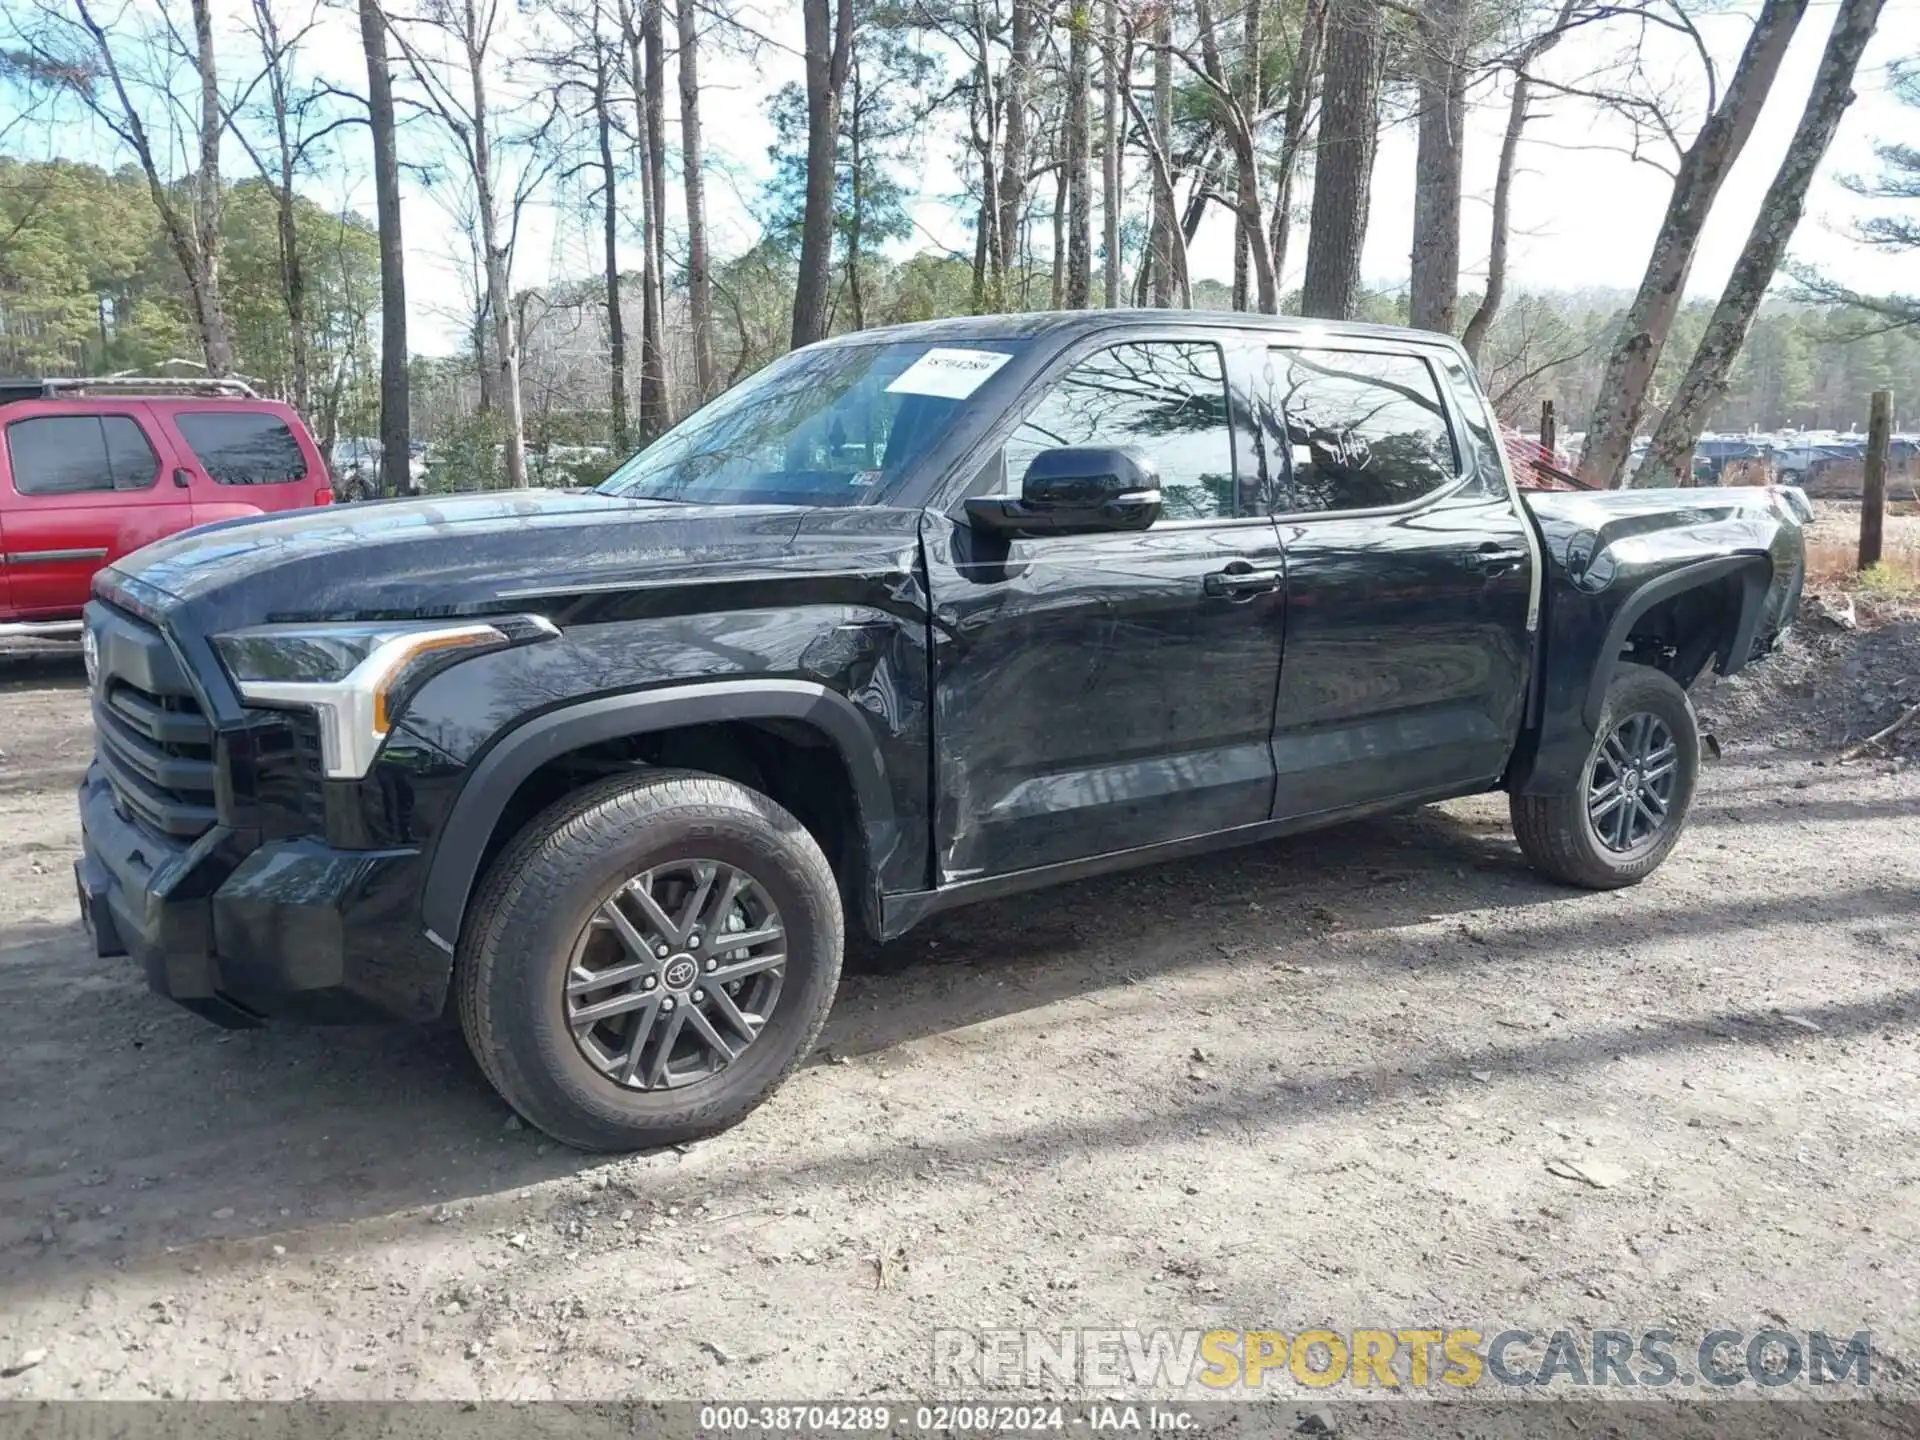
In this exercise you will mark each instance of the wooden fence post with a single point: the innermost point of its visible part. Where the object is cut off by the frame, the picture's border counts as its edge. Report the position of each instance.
(1873, 488)
(1549, 431)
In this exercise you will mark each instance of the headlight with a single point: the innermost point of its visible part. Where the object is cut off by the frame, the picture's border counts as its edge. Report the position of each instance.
(355, 677)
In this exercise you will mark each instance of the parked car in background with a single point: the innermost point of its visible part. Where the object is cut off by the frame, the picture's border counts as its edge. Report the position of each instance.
(91, 470)
(354, 463)
(356, 455)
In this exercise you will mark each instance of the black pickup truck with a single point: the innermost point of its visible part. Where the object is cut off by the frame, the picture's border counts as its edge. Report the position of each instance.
(911, 618)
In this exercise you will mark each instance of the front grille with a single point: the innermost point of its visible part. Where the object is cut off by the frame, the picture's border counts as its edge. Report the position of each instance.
(286, 777)
(313, 793)
(150, 735)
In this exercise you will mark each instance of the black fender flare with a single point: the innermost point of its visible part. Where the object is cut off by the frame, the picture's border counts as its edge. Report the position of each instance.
(505, 765)
(1756, 574)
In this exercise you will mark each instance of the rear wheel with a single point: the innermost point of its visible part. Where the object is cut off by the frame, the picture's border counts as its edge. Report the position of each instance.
(1619, 818)
(649, 959)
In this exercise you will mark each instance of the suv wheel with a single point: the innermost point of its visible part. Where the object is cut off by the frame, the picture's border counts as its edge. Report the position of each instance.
(1620, 817)
(648, 959)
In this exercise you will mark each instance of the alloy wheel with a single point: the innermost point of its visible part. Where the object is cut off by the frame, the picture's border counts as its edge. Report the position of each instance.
(1630, 785)
(676, 974)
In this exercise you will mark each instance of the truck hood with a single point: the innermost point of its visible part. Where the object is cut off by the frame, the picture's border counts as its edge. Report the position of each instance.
(454, 555)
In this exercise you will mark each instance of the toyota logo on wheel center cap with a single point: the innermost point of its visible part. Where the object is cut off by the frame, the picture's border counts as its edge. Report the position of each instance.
(680, 972)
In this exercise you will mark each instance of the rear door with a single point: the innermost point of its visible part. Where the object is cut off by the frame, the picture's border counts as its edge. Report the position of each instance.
(79, 491)
(1410, 574)
(245, 458)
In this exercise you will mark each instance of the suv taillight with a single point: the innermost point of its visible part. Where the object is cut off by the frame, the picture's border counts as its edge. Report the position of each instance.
(323, 496)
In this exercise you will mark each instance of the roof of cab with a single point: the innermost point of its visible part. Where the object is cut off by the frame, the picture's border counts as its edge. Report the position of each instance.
(1072, 322)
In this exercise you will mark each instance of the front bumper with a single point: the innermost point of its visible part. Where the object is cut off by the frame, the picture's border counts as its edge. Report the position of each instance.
(290, 930)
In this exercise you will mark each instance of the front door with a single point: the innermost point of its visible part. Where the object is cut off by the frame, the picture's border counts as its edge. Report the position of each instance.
(1097, 693)
(1409, 581)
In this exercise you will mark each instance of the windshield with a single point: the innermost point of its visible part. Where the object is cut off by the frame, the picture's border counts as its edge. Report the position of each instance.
(819, 427)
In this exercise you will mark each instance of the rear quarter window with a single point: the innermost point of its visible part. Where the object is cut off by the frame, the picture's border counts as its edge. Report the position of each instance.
(238, 447)
(74, 454)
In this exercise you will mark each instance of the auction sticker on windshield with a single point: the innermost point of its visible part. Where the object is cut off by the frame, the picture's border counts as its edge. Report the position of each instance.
(948, 373)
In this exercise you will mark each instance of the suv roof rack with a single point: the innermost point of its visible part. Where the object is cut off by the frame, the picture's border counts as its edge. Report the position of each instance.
(57, 388)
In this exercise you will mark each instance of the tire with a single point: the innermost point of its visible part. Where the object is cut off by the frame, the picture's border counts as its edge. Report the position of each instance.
(1558, 832)
(540, 928)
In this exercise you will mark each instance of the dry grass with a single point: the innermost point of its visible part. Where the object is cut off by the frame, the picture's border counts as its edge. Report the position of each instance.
(1833, 547)
(1831, 565)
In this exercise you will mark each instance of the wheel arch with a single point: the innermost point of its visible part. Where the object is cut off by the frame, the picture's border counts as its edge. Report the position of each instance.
(507, 765)
(1726, 632)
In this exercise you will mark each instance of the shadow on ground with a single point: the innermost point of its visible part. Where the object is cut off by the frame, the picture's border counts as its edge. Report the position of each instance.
(127, 1125)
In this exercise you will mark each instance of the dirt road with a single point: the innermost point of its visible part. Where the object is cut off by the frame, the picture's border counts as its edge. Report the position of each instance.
(1354, 1079)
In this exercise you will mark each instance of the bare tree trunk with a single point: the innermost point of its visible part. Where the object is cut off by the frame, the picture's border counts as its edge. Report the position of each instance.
(1434, 290)
(1251, 102)
(477, 337)
(1671, 454)
(1057, 285)
(654, 121)
(610, 228)
(1078, 154)
(699, 281)
(1110, 196)
(395, 422)
(1014, 97)
(1629, 371)
(1517, 117)
(293, 284)
(982, 244)
(1168, 269)
(982, 111)
(856, 298)
(1163, 240)
(185, 234)
(1496, 290)
(280, 184)
(1206, 177)
(829, 46)
(506, 342)
(207, 196)
(1300, 92)
(653, 407)
(1250, 230)
(1343, 174)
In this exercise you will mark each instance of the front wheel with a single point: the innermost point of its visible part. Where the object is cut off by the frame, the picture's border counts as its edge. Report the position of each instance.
(1616, 820)
(649, 959)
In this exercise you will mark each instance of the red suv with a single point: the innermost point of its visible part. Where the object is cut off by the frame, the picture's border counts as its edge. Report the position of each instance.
(93, 469)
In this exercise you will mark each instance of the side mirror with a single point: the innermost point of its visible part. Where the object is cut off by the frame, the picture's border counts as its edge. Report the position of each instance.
(1080, 490)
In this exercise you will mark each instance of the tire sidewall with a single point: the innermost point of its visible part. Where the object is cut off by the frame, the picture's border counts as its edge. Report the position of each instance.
(626, 833)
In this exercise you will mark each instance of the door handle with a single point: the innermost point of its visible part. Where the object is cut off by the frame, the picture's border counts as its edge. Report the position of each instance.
(1241, 583)
(181, 479)
(1494, 561)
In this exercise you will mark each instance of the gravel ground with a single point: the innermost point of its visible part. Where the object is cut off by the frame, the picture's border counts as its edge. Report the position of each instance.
(1381, 1076)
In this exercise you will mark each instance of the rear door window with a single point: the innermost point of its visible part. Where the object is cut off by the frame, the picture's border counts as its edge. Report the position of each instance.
(1364, 429)
(238, 447)
(74, 454)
